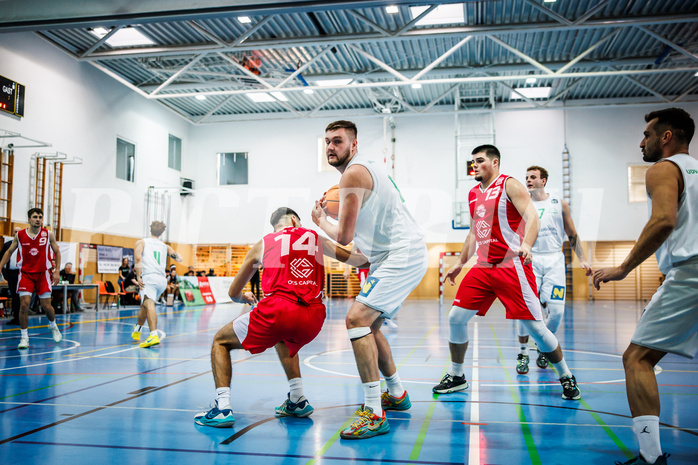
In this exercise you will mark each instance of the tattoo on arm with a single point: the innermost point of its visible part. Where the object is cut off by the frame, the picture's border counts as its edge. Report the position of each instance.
(573, 241)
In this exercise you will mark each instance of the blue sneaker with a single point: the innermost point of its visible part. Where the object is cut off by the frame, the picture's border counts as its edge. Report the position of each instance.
(366, 425)
(215, 417)
(389, 402)
(300, 409)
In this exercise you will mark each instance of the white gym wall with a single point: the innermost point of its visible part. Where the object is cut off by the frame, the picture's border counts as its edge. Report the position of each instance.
(81, 112)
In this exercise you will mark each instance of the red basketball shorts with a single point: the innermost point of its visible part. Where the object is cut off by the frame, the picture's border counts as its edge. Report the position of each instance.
(277, 319)
(511, 281)
(35, 282)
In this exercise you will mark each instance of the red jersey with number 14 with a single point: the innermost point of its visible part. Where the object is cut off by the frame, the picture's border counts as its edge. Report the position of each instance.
(33, 255)
(497, 224)
(293, 265)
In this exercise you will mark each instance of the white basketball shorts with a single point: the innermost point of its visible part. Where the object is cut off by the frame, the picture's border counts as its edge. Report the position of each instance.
(155, 285)
(549, 269)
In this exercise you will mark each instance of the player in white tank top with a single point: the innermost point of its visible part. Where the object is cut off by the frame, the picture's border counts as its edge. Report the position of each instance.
(150, 265)
(556, 226)
(373, 215)
(670, 320)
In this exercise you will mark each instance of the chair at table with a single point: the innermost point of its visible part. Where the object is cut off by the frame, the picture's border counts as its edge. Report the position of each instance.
(103, 292)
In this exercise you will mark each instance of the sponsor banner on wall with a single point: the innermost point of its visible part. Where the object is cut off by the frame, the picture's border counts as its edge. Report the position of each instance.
(108, 259)
(189, 291)
(205, 289)
(219, 288)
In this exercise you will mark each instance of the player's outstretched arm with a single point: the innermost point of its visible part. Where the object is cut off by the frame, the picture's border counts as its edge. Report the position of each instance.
(466, 252)
(521, 199)
(57, 257)
(664, 186)
(333, 250)
(575, 241)
(247, 270)
(174, 255)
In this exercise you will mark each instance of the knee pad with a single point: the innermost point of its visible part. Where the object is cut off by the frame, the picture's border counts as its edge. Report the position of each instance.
(556, 312)
(458, 324)
(545, 339)
(358, 333)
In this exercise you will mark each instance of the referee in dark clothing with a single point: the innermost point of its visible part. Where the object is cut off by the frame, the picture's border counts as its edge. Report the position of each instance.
(11, 275)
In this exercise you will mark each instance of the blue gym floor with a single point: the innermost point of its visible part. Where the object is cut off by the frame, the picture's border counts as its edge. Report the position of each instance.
(96, 397)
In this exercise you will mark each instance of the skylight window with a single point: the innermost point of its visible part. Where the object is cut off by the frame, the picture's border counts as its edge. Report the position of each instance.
(126, 37)
(531, 92)
(442, 14)
(260, 97)
(332, 82)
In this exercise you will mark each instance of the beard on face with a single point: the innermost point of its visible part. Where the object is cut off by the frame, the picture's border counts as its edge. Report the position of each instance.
(340, 158)
(478, 177)
(652, 153)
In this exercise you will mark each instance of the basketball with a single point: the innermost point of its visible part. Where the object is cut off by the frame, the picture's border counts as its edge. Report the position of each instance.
(332, 199)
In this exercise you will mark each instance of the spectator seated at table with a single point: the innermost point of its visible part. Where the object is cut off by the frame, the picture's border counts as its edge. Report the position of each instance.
(131, 290)
(67, 275)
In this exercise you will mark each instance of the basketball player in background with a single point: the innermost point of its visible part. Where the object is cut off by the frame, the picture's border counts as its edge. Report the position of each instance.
(372, 213)
(150, 257)
(669, 323)
(548, 260)
(290, 315)
(34, 246)
(503, 228)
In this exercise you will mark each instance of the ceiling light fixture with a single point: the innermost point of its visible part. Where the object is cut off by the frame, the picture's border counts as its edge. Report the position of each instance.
(200, 97)
(392, 9)
(308, 91)
(244, 19)
(416, 85)
(530, 80)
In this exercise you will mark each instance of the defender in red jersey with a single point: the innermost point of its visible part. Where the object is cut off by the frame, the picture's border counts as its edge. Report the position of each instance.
(289, 315)
(503, 228)
(34, 246)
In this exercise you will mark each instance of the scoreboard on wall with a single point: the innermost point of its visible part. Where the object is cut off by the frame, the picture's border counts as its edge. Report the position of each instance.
(11, 96)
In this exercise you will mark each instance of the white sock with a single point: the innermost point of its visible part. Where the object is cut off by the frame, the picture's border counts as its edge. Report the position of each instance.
(372, 397)
(52, 324)
(154, 333)
(524, 350)
(456, 369)
(646, 430)
(137, 328)
(395, 385)
(25, 333)
(296, 389)
(562, 368)
(223, 398)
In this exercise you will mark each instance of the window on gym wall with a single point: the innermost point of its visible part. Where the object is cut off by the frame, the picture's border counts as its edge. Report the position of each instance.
(125, 160)
(637, 191)
(174, 153)
(232, 168)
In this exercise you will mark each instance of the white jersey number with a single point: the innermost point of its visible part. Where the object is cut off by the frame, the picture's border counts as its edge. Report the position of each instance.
(305, 242)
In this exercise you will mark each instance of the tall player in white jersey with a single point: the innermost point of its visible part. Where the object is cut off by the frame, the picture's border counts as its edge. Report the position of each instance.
(669, 323)
(556, 226)
(150, 266)
(372, 213)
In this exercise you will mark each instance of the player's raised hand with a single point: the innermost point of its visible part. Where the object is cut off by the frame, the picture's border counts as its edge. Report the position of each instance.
(318, 212)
